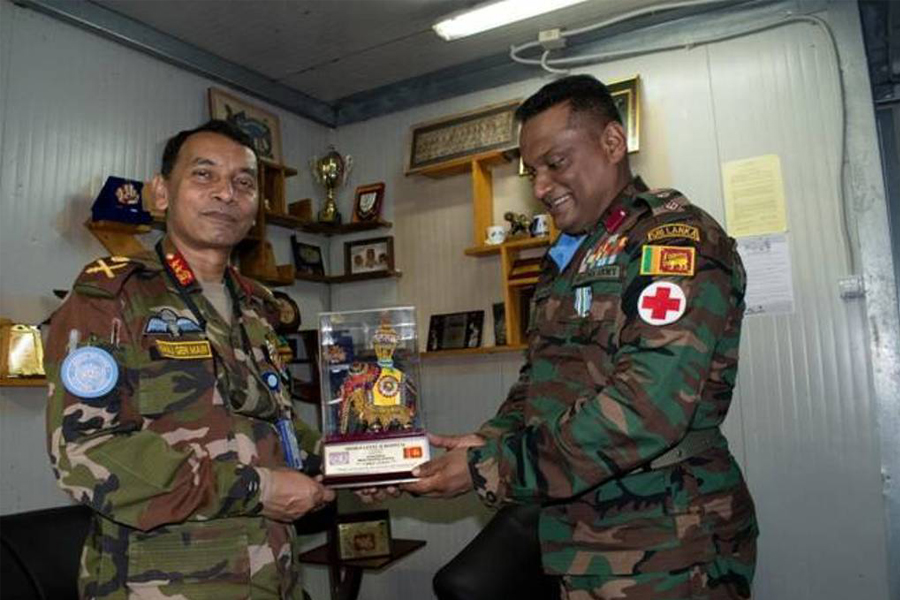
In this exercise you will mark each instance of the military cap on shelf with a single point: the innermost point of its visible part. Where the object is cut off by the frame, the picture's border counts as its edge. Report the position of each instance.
(120, 200)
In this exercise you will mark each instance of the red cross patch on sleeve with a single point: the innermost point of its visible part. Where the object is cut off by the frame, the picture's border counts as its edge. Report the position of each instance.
(661, 303)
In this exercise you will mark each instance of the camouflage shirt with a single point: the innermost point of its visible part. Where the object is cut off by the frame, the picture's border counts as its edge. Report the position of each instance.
(157, 423)
(632, 344)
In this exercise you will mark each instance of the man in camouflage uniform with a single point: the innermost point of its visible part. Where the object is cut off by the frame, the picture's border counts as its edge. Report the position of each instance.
(168, 414)
(613, 425)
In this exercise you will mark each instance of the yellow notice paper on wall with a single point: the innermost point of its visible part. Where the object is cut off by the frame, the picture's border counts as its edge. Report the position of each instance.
(754, 196)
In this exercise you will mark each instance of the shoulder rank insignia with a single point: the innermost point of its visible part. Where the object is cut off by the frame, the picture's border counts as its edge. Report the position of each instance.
(661, 303)
(668, 260)
(108, 268)
(674, 230)
(614, 219)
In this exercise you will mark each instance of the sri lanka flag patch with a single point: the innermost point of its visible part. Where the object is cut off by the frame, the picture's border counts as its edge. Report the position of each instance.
(668, 260)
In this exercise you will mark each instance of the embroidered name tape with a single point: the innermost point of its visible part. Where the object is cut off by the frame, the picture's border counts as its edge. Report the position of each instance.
(668, 260)
(184, 350)
(604, 273)
(674, 230)
(89, 372)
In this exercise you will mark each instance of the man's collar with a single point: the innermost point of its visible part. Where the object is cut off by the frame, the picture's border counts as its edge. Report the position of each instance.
(178, 266)
(619, 209)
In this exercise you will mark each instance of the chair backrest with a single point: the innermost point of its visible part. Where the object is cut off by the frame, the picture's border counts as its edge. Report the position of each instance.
(41, 551)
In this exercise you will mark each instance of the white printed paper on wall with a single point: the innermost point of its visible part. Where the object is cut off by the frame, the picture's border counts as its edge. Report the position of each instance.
(770, 287)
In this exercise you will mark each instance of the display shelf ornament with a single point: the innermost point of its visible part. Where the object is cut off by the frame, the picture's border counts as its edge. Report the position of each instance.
(331, 172)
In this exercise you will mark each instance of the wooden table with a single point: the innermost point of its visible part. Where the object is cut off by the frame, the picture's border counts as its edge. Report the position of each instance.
(346, 575)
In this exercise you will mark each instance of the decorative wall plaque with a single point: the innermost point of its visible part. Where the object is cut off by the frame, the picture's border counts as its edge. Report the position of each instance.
(450, 138)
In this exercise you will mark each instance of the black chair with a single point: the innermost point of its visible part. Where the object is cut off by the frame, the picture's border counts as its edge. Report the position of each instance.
(41, 551)
(503, 561)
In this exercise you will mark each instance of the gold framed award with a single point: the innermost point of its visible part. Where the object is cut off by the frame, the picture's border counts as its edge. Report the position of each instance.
(363, 535)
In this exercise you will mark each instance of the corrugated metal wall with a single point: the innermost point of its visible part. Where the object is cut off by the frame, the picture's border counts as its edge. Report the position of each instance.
(77, 108)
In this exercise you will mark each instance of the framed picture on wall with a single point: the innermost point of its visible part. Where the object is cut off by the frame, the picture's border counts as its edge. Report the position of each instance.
(262, 126)
(367, 202)
(307, 258)
(455, 331)
(451, 138)
(369, 256)
(625, 95)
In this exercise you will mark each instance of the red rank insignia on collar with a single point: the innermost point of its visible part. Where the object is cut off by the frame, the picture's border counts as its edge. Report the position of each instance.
(614, 219)
(180, 268)
(245, 285)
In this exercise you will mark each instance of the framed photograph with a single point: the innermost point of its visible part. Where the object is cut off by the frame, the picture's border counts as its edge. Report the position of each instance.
(363, 534)
(293, 345)
(625, 95)
(455, 331)
(369, 256)
(367, 202)
(499, 309)
(288, 313)
(450, 138)
(307, 258)
(262, 126)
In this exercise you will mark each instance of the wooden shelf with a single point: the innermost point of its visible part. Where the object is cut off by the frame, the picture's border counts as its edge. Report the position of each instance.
(288, 171)
(464, 164)
(473, 351)
(312, 277)
(347, 278)
(283, 220)
(329, 230)
(118, 238)
(23, 382)
(364, 276)
(517, 244)
(522, 282)
(399, 548)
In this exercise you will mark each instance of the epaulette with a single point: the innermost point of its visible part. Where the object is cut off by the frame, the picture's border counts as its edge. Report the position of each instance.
(253, 288)
(664, 201)
(105, 277)
(260, 293)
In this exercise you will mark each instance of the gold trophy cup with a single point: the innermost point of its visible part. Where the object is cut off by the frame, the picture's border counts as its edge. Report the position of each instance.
(331, 172)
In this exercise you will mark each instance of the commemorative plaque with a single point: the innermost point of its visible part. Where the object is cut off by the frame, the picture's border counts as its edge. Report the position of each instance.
(372, 423)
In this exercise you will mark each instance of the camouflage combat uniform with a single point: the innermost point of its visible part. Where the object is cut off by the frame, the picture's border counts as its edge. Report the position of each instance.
(166, 457)
(604, 392)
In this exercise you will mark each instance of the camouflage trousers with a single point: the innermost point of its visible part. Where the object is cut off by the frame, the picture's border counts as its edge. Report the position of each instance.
(725, 578)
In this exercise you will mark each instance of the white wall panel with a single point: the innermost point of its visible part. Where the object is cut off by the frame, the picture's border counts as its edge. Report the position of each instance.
(77, 108)
(807, 406)
(801, 425)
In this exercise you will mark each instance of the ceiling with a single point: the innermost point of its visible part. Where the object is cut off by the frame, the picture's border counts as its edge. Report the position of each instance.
(333, 61)
(330, 49)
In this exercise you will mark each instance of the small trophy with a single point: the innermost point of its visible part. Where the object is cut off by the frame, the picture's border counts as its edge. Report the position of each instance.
(372, 420)
(331, 171)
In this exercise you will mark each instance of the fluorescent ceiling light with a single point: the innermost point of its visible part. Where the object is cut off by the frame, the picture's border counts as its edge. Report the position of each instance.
(495, 14)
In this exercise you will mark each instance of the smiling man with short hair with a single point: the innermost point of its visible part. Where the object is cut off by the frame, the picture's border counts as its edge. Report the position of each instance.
(168, 412)
(612, 429)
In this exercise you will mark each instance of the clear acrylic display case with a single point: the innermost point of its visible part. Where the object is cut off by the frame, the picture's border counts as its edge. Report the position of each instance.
(372, 422)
